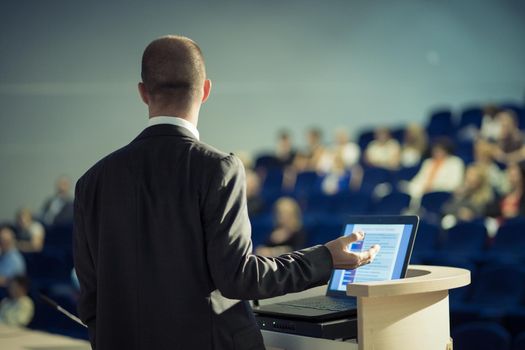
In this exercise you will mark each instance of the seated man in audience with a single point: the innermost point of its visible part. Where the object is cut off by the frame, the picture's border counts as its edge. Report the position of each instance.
(58, 210)
(384, 151)
(284, 152)
(17, 310)
(287, 235)
(11, 261)
(442, 172)
(509, 146)
(254, 203)
(30, 234)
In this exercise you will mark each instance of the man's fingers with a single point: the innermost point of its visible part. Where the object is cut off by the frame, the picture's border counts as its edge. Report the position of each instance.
(353, 237)
(368, 256)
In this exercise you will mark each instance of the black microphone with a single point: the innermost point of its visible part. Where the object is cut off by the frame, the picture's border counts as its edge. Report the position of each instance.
(60, 309)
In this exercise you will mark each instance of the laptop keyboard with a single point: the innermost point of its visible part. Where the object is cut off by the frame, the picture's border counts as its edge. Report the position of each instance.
(322, 303)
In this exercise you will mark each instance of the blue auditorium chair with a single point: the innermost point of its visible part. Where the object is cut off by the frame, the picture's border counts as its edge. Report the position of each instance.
(267, 161)
(351, 203)
(433, 202)
(406, 173)
(519, 342)
(373, 176)
(465, 151)
(262, 226)
(515, 320)
(467, 239)
(509, 243)
(481, 336)
(364, 138)
(496, 290)
(426, 243)
(440, 124)
(392, 204)
(327, 229)
(472, 116)
(306, 183)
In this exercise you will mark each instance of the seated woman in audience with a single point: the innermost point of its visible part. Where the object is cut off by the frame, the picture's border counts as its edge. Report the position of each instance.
(384, 151)
(442, 172)
(483, 157)
(30, 234)
(509, 146)
(287, 235)
(414, 146)
(512, 204)
(17, 309)
(471, 199)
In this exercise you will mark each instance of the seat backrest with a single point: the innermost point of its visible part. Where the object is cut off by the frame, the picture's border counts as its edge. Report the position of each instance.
(467, 238)
(481, 335)
(510, 238)
(499, 286)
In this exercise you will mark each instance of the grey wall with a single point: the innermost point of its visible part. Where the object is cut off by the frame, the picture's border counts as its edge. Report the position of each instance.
(68, 72)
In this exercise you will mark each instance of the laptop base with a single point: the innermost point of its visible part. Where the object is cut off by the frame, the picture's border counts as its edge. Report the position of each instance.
(345, 328)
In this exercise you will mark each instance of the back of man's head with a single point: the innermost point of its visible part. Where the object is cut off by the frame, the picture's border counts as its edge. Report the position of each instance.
(173, 70)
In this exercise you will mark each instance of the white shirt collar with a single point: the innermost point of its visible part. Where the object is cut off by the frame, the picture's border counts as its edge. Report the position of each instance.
(174, 121)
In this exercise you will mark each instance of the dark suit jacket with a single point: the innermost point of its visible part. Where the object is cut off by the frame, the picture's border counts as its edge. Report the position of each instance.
(163, 252)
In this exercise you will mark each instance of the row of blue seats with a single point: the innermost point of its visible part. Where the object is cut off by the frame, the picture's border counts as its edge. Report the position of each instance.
(486, 336)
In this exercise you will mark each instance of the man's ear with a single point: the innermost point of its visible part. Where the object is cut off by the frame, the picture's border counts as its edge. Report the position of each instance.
(143, 93)
(206, 90)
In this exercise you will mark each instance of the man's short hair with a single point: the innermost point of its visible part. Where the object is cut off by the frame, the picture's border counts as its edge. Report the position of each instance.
(173, 69)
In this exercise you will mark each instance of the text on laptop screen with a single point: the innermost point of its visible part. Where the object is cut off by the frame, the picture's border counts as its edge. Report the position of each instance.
(388, 263)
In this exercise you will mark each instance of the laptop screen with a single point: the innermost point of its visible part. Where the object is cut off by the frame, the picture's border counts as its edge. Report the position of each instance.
(396, 241)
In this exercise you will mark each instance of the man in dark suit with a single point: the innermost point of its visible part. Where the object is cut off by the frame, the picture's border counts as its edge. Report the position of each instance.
(162, 236)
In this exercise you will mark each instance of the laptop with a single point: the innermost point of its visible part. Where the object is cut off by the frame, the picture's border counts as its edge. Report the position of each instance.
(395, 234)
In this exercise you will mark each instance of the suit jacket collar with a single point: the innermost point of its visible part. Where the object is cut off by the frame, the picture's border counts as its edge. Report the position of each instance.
(165, 130)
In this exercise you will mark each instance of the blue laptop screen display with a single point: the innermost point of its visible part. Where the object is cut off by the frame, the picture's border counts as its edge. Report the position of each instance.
(388, 264)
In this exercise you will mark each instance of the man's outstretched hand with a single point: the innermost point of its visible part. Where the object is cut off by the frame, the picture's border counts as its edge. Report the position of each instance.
(347, 260)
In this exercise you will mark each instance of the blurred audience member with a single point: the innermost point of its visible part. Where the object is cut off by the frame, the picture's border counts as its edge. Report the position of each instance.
(11, 261)
(17, 309)
(384, 151)
(471, 199)
(490, 125)
(337, 177)
(287, 235)
(30, 234)
(284, 151)
(345, 153)
(253, 190)
(414, 146)
(509, 146)
(310, 159)
(442, 172)
(511, 204)
(483, 157)
(58, 210)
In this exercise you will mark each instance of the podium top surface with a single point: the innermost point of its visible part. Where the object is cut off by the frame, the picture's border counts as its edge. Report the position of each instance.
(419, 279)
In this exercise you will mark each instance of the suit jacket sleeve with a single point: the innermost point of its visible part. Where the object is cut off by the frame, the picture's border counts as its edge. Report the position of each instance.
(84, 268)
(236, 272)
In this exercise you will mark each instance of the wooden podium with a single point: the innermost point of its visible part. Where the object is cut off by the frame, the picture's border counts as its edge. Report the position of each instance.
(410, 313)
(406, 314)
